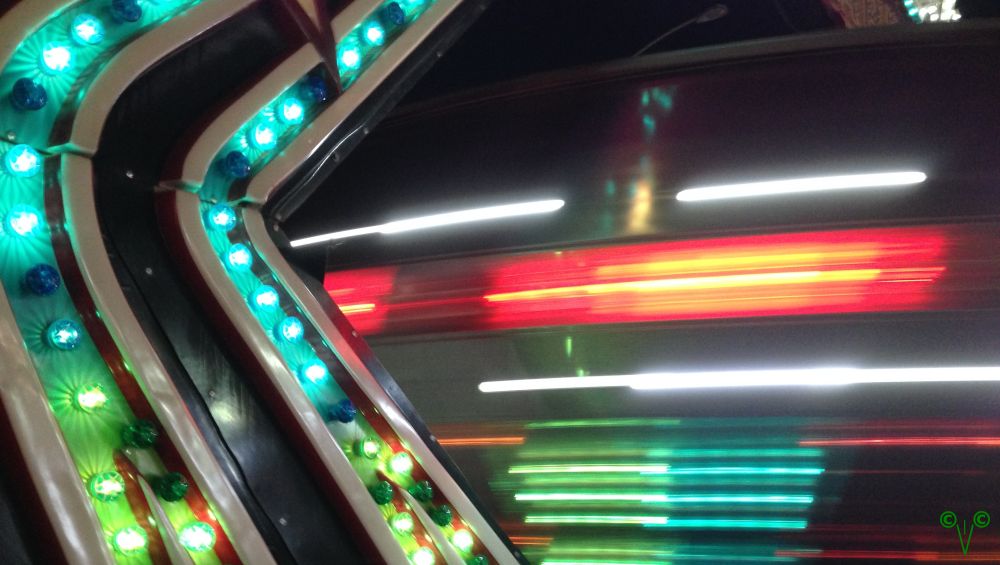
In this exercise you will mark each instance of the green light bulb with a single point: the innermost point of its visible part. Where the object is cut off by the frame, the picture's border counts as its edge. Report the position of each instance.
(141, 434)
(401, 463)
(367, 448)
(441, 515)
(477, 560)
(130, 541)
(422, 556)
(107, 486)
(402, 523)
(197, 537)
(90, 398)
(171, 487)
(382, 493)
(463, 540)
(422, 491)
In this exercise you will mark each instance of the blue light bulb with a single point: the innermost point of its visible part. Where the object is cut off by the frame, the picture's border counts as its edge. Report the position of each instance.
(393, 13)
(28, 95)
(292, 111)
(344, 411)
(56, 58)
(22, 220)
(239, 258)
(42, 279)
(22, 161)
(314, 88)
(374, 34)
(313, 371)
(87, 30)
(265, 298)
(64, 334)
(235, 165)
(290, 330)
(221, 217)
(126, 11)
(263, 136)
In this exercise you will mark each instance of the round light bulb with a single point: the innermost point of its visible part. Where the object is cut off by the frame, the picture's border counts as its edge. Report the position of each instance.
(292, 111)
(56, 58)
(313, 371)
(401, 464)
(221, 217)
(28, 95)
(422, 556)
(90, 398)
(87, 30)
(265, 298)
(130, 541)
(107, 486)
(197, 537)
(463, 540)
(64, 334)
(22, 161)
(367, 448)
(402, 523)
(264, 137)
(239, 258)
(290, 330)
(350, 58)
(374, 34)
(22, 220)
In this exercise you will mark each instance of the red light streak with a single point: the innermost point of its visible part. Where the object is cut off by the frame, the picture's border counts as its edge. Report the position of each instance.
(904, 442)
(831, 272)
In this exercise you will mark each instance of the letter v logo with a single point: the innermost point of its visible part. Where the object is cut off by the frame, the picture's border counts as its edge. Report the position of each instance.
(949, 520)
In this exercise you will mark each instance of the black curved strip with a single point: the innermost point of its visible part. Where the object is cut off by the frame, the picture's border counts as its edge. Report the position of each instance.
(391, 388)
(143, 128)
(332, 152)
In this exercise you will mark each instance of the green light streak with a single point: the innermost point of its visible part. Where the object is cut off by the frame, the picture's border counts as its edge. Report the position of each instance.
(733, 524)
(587, 468)
(605, 423)
(665, 498)
(746, 471)
(596, 519)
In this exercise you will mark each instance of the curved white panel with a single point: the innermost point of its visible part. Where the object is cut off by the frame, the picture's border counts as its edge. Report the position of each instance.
(351, 16)
(92, 259)
(272, 176)
(57, 482)
(306, 417)
(257, 233)
(217, 134)
(134, 60)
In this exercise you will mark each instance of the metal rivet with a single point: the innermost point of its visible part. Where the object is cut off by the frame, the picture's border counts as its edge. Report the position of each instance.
(130, 174)
(354, 333)
(283, 521)
(211, 394)
(149, 271)
(11, 136)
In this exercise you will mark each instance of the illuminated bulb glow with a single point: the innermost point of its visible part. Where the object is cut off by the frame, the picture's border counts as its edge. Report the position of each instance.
(265, 298)
(463, 540)
(374, 34)
(197, 537)
(402, 523)
(264, 137)
(88, 30)
(792, 186)
(401, 464)
(350, 58)
(811, 377)
(64, 334)
(446, 219)
(314, 371)
(56, 58)
(239, 257)
(422, 556)
(130, 541)
(222, 217)
(91, 398)
(292, 111)
(22, 220)
(106, 487)
(22, 161)
(368, 448)
(290, 329)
